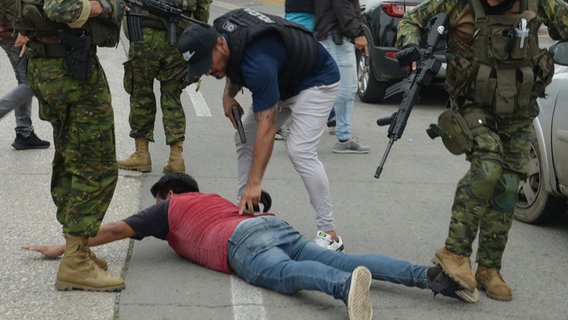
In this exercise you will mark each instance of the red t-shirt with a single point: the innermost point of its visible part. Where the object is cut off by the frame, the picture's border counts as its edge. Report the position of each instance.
(200, 227)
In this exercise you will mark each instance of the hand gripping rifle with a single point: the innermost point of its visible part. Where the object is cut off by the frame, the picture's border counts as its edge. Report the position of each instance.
(410, 86)
(169, 11)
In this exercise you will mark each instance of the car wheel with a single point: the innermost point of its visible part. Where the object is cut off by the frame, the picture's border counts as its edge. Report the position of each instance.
(368, 88)
(535, 204)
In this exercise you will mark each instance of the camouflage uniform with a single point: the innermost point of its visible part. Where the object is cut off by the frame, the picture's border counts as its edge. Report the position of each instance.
(84, 173)
(153, 58)
(148, 59)
(486, 196)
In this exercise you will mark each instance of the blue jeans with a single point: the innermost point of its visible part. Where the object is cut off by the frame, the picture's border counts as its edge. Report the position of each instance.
(344, 56)
(267, 252)
(20, 98)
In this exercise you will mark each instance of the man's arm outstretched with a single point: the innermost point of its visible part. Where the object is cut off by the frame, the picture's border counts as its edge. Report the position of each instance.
(108, 232)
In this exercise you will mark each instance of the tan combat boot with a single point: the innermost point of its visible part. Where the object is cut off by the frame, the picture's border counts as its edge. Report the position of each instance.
(457, 267)
(140, 160)
(491, 280)
(78, 271)
(99, 261)
(176, 162)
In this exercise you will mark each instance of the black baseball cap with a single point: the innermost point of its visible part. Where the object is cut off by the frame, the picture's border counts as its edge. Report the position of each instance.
(196, 44)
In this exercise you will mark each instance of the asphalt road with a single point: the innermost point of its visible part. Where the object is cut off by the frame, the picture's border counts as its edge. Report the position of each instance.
(405, 214)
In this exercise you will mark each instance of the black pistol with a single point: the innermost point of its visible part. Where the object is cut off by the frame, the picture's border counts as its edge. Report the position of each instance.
(237, 116)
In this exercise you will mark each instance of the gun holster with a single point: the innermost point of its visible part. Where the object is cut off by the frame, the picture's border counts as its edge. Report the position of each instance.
(454, 131)
(458, 132)
(79, 57)
(336, 35)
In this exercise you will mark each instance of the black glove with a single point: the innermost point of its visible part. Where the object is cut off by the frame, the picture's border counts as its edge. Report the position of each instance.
(407, 55)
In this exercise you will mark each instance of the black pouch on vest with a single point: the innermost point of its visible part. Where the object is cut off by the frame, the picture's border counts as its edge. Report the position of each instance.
(79, 59)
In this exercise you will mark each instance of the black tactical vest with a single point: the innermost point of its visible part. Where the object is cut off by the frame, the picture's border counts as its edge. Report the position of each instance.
(244, 25)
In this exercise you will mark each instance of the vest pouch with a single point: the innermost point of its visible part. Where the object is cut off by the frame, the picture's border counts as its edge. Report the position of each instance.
(520, 45)
(485, 85)
(506, 91)
(522, 35)
(454, 131)
(501, 41)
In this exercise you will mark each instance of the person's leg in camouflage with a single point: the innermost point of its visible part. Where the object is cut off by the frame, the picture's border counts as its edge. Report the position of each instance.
(516, 135)
(140, 71)
(172, 77)
(84, 166)
(470, 204)
(493, 236)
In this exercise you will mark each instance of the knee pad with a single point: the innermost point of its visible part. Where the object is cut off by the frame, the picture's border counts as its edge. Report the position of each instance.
(484, 179)
(506, 192)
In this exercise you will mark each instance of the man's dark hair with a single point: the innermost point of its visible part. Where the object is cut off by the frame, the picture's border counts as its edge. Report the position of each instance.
(177, 182)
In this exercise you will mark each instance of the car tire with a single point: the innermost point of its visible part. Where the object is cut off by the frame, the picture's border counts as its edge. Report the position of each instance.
(535, 204)
(369, 89)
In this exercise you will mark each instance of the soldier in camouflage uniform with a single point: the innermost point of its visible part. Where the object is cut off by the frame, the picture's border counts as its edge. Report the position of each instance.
(73, 93)
(495, 72)
(149, 59)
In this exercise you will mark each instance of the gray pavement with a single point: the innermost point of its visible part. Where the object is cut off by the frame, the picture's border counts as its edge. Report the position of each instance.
(404, 214)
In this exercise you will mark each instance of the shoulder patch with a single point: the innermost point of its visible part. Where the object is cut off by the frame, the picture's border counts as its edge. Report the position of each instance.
(229, 26)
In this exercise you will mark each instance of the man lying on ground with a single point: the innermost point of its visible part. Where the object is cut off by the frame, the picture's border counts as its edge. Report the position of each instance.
(262, 249)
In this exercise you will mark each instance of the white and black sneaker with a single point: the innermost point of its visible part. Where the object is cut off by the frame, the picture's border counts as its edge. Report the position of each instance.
(324, 240)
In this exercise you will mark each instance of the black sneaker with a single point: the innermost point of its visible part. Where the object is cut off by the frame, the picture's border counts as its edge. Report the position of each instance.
(30, 142)
(439, 282)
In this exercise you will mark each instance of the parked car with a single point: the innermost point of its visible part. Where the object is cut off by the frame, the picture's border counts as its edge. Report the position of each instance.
(543, 194)
(381, 69)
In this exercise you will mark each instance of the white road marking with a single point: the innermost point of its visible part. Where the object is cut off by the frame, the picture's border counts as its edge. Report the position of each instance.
(199, 103)
(246, 299)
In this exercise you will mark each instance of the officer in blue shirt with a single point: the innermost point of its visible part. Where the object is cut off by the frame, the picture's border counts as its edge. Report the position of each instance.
(291, 76)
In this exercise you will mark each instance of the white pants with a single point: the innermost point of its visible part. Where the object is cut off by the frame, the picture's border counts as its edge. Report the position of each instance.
(307, 113)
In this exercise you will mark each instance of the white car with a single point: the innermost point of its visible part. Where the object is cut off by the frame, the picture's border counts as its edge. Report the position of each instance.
(543, 194)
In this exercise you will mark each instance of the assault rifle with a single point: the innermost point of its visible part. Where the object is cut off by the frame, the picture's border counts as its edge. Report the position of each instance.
(410, 86)
(169, 11)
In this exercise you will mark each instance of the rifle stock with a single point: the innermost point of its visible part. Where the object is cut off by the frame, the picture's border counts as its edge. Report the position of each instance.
(412, 85)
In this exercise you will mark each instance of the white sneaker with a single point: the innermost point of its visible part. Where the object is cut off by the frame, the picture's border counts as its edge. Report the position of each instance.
(281, 134)
(324, 240)
(359, 302)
